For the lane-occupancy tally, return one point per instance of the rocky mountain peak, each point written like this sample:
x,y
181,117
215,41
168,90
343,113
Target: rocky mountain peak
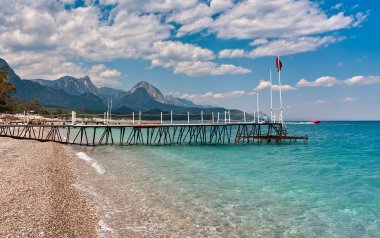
x,y
151,90
12,76
3,63
86,80
76,86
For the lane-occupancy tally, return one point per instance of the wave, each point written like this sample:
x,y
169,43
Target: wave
x,y
97,166
104,230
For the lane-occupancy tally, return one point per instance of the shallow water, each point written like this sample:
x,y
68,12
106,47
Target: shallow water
x,y
329,186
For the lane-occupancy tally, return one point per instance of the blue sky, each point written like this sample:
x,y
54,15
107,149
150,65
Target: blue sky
x,y
214,52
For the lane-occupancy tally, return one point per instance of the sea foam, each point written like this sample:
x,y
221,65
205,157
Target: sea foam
x,y
97,166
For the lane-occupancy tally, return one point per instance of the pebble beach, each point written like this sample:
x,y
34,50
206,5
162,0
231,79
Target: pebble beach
x,y
37,193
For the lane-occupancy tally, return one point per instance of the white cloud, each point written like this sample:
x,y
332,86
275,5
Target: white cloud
x,y
337,6
349,99
175,51
245,19
362,80
198,68
241,19
260,41
40,38
292,46
209,96
266,85
198,17
360,18
189,59
50,66
173,94
68,2
27,29
192,20
287,46
151,6
101,75
220,5
277,19
129,36
322,102
194,68
30,65
328,81
142,29
194,27
229,69
325,81
231,53
79,32
319,102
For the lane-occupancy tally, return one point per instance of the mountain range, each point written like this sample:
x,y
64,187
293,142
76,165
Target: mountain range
x,y
81,94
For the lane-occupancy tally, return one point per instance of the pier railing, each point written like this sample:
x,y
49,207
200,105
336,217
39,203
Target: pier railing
x,y
225,117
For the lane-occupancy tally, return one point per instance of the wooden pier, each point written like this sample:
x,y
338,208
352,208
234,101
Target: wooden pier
x,y
154,133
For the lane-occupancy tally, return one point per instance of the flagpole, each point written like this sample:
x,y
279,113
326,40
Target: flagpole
x,y
279,83
110,109
271,101
258,109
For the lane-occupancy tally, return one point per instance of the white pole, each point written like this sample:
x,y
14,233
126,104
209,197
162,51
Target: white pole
x,y
139,117
271,93
104,117
217,121
225,117
279,83
27,117
133,117
258,109
171,117
188,117
229,117
254,116
110,108
244,117
161,117
202,117
212,115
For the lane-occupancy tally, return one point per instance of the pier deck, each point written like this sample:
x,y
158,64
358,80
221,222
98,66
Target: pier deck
x,y
153,133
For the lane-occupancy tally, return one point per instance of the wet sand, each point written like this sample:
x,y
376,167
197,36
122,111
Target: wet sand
x,y
38,197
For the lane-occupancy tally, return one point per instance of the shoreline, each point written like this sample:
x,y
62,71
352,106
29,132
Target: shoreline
x,y
38,196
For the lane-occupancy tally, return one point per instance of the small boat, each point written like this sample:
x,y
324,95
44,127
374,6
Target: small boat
x,y
315,121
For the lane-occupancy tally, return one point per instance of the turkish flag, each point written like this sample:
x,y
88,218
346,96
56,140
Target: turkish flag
x,y
278,64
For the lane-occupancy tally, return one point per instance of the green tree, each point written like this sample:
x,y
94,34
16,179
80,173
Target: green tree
x,y
6,88
31,105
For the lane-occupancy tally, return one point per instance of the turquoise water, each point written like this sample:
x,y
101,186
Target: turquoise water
x,y
327,187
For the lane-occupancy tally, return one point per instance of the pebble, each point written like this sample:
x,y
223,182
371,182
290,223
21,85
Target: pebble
x,y
37,198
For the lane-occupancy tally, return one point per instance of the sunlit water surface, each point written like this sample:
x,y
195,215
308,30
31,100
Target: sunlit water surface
x,y
328,186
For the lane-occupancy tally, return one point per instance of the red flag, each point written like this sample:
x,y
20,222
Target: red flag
x,y
278,64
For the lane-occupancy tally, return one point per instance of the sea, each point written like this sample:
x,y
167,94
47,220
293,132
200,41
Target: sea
x,y
328,186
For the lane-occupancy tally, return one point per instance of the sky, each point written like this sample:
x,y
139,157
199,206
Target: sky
x,y
212,52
